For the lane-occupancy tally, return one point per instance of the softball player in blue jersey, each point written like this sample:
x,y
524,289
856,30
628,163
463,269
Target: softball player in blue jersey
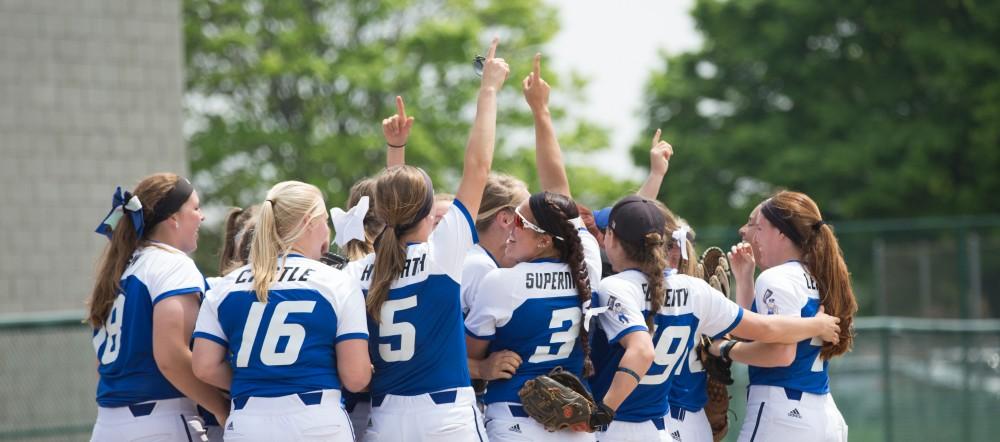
x,y
534,309
285,333
143,309
789,395
644,309
421,387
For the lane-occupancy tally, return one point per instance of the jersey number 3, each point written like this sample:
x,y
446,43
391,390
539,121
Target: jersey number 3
x,y
276,329
565,339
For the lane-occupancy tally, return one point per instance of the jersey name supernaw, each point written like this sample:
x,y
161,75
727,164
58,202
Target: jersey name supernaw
x,y
288,344
124,345
789,290
532,309
690,307
418,346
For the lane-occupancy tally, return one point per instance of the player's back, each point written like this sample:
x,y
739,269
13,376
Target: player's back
x,y
124,346
789,290
532,309
418,345
288,344
689,305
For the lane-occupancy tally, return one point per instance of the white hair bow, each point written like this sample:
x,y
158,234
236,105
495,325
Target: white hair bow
x,y
350,224
681,236
590,312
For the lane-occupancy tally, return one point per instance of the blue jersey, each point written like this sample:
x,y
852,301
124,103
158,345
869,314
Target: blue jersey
x,y
532,309
690,307
288,344
124,345
418,346
789,290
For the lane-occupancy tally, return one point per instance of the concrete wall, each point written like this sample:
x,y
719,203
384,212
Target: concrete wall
x,y
90,98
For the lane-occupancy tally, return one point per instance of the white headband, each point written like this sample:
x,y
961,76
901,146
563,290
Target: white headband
x,y
681,236
351,224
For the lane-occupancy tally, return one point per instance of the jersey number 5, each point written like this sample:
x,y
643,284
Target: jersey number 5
x,y
406,332
565,339
276,329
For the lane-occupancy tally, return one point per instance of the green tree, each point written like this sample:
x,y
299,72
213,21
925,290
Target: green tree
x,y
875,109
282,90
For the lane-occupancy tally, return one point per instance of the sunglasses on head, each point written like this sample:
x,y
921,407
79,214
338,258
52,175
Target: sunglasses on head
x,y
522,223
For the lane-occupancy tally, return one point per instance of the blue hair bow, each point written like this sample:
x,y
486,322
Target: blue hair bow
x,y
122,203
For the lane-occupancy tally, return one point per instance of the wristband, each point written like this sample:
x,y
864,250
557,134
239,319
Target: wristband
x,y
394,146
725,349
629,372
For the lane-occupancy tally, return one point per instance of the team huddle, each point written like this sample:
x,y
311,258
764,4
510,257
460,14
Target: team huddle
x,y
440,313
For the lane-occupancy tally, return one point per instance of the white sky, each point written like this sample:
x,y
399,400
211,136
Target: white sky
x,y
616,45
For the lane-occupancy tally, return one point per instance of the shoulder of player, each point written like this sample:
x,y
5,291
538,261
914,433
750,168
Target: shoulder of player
x,y
781,275
622,285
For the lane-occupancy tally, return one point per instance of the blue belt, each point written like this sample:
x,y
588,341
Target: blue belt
x,y
144,409
441,397
517,411
312,398
677,413
795,395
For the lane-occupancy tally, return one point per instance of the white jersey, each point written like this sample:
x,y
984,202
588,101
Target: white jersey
x,y
533,310
418,347
286,345
478,262
124,345
690,307
789,290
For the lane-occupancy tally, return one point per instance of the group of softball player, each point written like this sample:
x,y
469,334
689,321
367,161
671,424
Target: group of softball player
x,y
492,284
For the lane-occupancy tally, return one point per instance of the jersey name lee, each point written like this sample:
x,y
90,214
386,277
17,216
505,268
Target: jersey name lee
x,y
288,274
549,281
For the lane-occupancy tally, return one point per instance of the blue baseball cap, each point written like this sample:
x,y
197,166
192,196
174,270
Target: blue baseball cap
x,y
601,218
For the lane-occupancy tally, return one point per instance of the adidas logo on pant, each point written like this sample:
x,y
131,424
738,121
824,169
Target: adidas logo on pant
x,y
676,435
795,413
230,426
516,428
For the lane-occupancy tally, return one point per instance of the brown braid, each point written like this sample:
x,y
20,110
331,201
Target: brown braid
x,y
571,252
652,259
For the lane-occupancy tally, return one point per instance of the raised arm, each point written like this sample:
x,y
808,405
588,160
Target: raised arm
x,y
742,262
482,137
659,162
548,156
396,130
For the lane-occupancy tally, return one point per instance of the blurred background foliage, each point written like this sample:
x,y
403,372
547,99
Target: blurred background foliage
x,y
298,90
875,109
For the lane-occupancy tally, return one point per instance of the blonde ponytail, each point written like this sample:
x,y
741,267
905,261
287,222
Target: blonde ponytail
x,y
279,223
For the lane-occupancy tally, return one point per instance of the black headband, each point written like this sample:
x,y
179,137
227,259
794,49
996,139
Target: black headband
x,y
545,217
171,203
424,209
780,222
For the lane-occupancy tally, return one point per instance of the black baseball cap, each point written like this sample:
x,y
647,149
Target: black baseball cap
x,y
633,217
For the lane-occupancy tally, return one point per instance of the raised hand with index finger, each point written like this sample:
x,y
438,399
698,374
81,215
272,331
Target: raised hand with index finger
x,y
495,70
536,90
659,155
396,128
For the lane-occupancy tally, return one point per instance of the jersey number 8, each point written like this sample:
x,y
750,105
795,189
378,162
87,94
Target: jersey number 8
x,y
111,334
276,329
